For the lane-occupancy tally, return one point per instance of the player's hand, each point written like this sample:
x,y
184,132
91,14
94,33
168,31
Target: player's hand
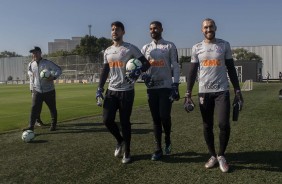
x,y
238,99
174,93
99,93
133,75
99,96
149,82
188,102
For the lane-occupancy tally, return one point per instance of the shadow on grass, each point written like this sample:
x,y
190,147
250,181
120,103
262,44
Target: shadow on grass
x,y
256,160
38,141
88,127
186,157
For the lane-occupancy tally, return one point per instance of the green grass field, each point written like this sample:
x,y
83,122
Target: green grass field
x,y
81,151
73,101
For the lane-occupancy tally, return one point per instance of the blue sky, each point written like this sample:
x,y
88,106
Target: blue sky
x,y
25,23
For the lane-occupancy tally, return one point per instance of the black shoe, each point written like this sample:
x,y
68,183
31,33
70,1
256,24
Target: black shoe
x,y
28,128
157,155
53,128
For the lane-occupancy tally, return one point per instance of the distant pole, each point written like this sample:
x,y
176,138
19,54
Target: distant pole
x,y
89,26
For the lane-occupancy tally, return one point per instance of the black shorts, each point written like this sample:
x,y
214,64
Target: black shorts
x,y
118,100
220,101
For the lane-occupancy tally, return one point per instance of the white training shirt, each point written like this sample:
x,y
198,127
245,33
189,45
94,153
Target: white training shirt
x,y
211,58
117,58
164,63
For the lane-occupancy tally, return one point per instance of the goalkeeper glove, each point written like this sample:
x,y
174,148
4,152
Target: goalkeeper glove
x,y
238,99
149,82
174,92
99,96
132,76
188,102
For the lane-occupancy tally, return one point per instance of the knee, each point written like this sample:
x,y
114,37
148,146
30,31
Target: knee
x,y
224,126
165,117
107,122
208,126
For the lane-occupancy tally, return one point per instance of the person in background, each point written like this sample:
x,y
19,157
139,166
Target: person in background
x,y
213,57
43,89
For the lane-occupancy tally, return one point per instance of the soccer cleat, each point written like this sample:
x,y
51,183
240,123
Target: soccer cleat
x,y
126,160
119,149
222,164
157,155
28,128
211,162
167,149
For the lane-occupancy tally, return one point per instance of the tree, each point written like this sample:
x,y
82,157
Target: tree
x,y
243,54
10,78
92,46
8,54
60,53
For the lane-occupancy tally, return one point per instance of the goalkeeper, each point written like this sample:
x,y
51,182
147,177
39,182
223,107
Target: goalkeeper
x,y
213,57
120,92
162,86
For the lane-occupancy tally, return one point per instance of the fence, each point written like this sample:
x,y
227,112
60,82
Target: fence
x,y
73,67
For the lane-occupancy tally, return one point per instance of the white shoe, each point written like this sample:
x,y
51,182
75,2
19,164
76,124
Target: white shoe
x,y
118,150
211,162
222,164
126,160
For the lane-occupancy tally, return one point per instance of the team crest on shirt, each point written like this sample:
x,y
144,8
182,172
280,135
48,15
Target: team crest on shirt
x,y
122,52
162,49
219,49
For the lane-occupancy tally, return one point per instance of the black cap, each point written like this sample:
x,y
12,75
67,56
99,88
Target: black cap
x,y
36,49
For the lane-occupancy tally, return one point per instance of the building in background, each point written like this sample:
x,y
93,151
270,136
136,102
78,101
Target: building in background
x,y
63,44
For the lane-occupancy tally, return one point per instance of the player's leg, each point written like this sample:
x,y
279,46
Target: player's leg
x,y
165,114
223,107
153,100
125,110
39,122
50,100
206,103
110,107
37,101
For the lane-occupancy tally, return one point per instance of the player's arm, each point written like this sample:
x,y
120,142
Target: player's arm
x,y
173,58
232,73
103,79
145,63
192,75
175,64
191,78
238,99
56,70
30,75
104,75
